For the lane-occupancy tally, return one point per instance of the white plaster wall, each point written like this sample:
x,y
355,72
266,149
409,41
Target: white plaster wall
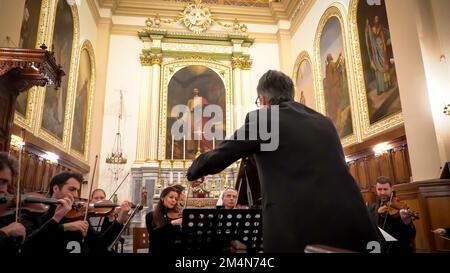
x,y
11,14
123,73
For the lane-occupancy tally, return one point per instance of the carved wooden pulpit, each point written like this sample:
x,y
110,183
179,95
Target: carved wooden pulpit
x,y
21,69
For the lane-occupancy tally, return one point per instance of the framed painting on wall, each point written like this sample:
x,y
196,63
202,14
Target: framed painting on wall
x,y
335,94
304,81
195,86
32,33
84,92
55,117
377,84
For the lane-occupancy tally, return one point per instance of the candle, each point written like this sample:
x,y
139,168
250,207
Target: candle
x,y
171,177
179,177
184,147
214,143
172,148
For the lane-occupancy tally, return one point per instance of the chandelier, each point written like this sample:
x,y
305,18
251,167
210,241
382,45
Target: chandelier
x,y
116,159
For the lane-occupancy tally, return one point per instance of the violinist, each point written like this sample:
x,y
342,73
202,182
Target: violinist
x,y
9,229
164,225
399,225
100,223
57,234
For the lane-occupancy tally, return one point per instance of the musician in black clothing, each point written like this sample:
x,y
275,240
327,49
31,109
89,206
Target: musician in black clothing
x,y
54,233
164,225
401,228
12,234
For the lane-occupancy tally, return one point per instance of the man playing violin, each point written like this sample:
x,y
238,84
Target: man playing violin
x,y
400,226
59,234
9,228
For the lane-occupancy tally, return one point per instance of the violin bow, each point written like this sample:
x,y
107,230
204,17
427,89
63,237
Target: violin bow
x,y
90,189
19,178
118,187
388,205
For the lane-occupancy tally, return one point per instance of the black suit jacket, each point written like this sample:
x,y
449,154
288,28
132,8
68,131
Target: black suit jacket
x,y
308,194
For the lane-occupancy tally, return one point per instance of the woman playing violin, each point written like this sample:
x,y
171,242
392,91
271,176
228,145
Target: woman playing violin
x,y
163,223
395,219
57,234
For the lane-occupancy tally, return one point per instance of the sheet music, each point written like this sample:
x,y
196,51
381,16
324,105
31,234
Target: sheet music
x,y
388,237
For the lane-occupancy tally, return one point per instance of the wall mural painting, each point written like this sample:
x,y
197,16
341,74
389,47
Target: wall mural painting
x,y
28,36
195,86
305,85
335,80
81,103
378,64
55,99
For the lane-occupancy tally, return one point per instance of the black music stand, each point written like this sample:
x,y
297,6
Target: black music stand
x,y
212,230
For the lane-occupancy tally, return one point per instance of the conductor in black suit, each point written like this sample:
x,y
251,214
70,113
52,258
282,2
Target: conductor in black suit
x,y
308,194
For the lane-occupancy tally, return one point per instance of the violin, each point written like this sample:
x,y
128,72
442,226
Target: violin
x,y
32,202
395,205
98,209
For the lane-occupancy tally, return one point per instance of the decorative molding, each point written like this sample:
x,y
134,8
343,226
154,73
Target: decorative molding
x,y
94,10
300,13
241,62
149,58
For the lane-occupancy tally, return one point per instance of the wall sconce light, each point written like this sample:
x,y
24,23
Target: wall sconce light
x,y
381,148
52,157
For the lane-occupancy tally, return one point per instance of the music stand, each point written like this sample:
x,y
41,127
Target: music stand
x,y
212,230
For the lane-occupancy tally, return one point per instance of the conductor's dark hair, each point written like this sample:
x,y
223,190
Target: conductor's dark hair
x,y
7,161
61,179
276,87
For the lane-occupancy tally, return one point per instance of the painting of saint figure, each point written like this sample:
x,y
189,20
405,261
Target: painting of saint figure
x,y
335,80
305,85
28,36
196,87
380,77
81,103
55,99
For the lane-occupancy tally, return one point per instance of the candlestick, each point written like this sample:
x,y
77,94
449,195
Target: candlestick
x,y
184,147
171,158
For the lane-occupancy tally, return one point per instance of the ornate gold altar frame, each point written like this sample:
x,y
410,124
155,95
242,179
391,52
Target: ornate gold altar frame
x,y
41,132
90,102
335,11
304,56
168,70
368,130
28,121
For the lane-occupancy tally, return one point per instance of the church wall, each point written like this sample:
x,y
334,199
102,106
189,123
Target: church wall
x,y
11,21
123,73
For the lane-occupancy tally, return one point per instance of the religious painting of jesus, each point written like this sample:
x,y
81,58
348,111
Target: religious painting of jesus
x,y
196,87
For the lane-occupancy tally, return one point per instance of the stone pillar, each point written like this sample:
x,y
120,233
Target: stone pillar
x,y
409,42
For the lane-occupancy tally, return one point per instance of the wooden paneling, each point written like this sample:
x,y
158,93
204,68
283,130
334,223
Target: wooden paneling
x,y
432,200
366,167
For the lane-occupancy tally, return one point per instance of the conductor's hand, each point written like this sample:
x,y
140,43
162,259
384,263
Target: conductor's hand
x,y
197,182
